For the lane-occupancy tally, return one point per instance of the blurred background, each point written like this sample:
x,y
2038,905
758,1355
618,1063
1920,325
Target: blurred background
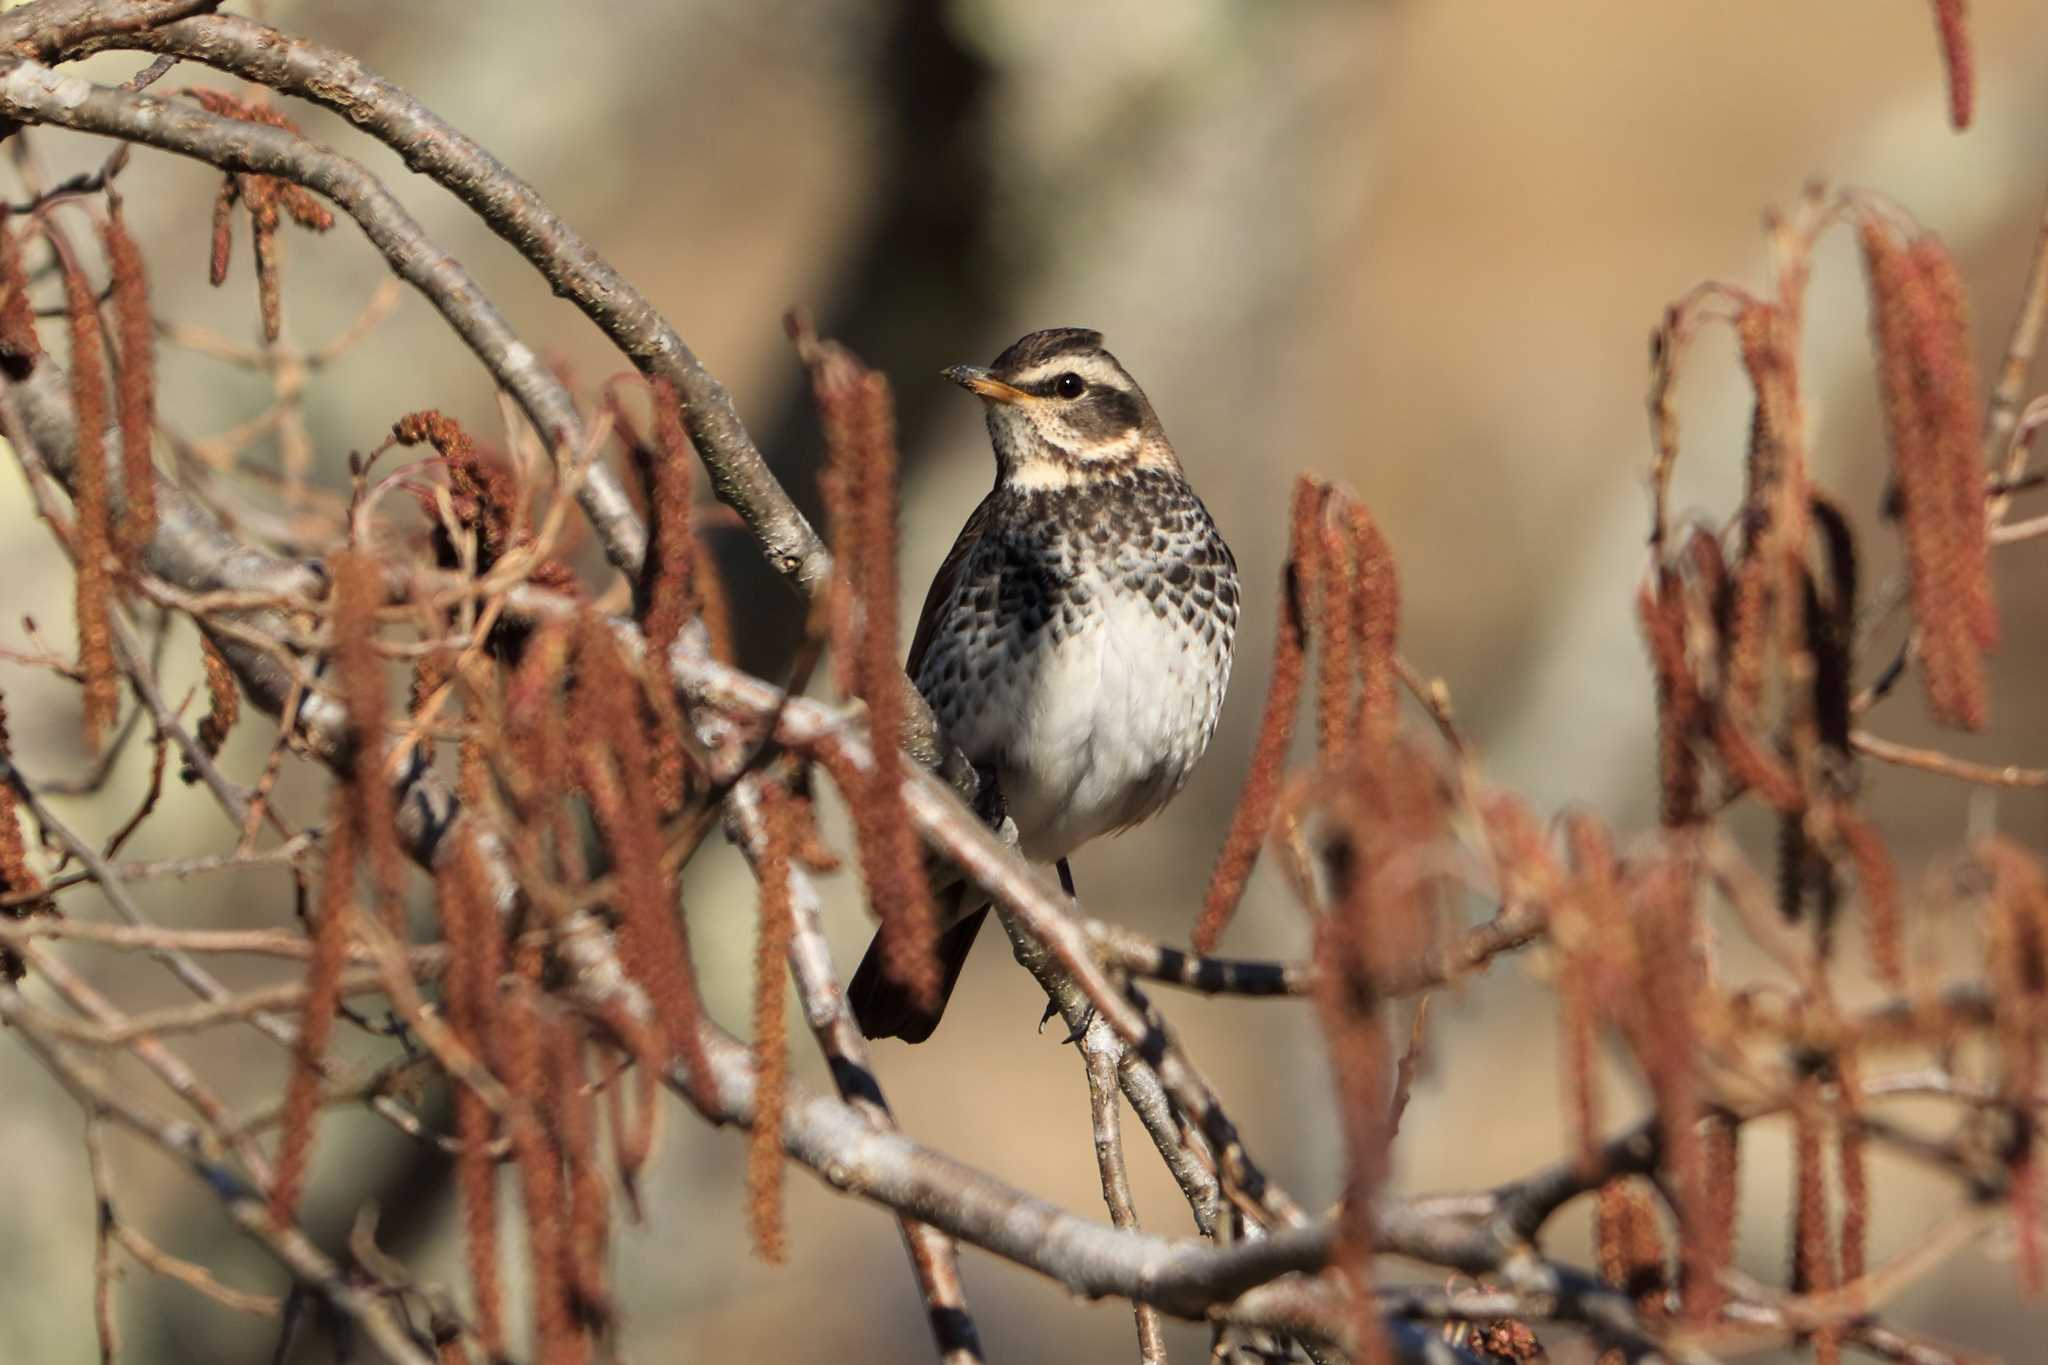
x,y
1417,246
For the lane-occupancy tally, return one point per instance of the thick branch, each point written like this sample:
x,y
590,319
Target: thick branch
x,y
50,27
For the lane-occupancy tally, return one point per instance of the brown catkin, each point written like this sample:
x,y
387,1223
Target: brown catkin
x,y
94,541
1360,1063
1710,577
20,348
1747,638
316,1019
1525,864
1629,1246
1906,326
259,194
1883,923
1849,1158
1764,334
860,487
1337,644
475,951
1813,1257
524,1062
1256,804
1951,25
267,199
2024,1176
666,595
1388,804
1377,610
1666,927
669,598
222,243
530,694
910,926
771,1027
1591,930
1750,764
358,592
482,492
1954,400
1721,1187
435,670
573,1114
1662,611
223,700
2018,940
612,761
2016,934
17,878
135,392
1578,1023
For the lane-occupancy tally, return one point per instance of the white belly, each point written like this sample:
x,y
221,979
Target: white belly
x,y
1100,730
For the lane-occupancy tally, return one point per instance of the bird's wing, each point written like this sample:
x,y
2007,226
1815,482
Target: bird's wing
x,y
949,573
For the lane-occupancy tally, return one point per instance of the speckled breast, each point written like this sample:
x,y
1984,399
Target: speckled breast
x,y
1085,650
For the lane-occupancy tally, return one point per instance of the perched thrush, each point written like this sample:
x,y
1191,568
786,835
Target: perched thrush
x,y
1077,639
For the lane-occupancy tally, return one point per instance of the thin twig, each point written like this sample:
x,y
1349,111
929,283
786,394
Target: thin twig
x,y
1102,1051
1932,761
248,1210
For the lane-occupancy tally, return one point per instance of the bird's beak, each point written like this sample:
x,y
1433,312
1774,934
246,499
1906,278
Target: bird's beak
x,y
987,385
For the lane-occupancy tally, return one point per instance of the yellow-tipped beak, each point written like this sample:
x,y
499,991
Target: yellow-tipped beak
x,y
987,385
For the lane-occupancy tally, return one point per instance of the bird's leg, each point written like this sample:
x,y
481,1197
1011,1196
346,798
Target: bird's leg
x,y
1074,898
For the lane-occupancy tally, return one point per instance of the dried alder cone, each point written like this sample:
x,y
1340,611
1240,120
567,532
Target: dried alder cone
x,y
557,987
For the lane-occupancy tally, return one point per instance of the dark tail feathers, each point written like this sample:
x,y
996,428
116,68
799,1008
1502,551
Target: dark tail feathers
x,y
886,1009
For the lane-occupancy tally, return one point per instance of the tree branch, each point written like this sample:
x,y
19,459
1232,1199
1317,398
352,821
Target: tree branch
x,y
511,208
33,93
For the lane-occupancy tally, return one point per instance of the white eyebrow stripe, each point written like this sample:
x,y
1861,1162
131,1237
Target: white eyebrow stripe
x,y
1095,368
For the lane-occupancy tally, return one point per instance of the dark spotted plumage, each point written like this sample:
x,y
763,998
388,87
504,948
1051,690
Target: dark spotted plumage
x,y
1126,576
1077,639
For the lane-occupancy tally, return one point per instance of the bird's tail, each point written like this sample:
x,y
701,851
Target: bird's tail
x,y
885,1008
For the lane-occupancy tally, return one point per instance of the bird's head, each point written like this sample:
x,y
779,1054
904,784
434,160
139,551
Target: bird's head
x,y
1062,411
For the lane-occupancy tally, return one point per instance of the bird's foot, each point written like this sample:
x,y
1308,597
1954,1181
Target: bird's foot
x,y
1080,1030
1075,1033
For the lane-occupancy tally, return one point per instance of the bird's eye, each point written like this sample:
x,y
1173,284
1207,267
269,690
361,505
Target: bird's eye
x,y
1069,385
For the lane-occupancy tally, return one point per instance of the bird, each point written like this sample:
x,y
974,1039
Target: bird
x,y
1076,640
